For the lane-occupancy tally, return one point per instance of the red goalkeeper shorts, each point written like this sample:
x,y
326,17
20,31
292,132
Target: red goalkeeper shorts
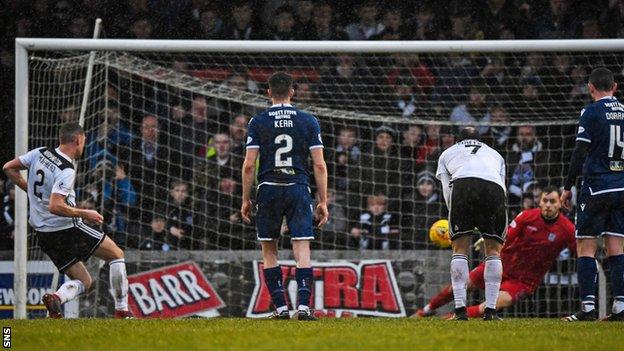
x,y
513,287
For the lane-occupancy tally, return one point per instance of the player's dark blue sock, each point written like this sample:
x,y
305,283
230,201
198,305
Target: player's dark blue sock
x,y
616,264
587,279
273,279
304,286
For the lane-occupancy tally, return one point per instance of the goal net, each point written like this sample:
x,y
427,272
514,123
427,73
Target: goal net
x,y
165,143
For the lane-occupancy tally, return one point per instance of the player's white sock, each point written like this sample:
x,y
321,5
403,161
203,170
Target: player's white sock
x,y
459,279
69,290
492,275
119,283
618,304
303,308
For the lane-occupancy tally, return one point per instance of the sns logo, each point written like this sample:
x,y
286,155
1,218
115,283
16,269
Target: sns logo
x,y
581,130
339,289
249,140
582,207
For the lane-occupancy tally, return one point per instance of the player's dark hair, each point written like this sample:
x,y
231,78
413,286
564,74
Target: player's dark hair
x,y
602,79
280,84
469,133
69,132
551,188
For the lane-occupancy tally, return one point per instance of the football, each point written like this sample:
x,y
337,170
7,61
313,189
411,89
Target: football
x,y
439,233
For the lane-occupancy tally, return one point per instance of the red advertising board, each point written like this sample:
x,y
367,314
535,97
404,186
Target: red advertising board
x,y
171,291
340,289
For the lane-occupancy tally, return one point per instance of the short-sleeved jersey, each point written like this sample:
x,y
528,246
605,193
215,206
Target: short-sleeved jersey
x,y
602,126
533,244
472,159
285,136
49,171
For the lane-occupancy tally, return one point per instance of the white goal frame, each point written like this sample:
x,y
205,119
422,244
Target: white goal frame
x,y
24,45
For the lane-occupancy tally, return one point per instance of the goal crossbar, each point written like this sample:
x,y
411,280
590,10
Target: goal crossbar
x,y
269,46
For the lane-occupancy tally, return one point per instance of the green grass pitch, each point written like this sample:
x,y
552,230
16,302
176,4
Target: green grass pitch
x,y
329,334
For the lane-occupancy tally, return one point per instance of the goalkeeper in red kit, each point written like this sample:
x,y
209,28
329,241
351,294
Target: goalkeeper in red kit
x,y
534,240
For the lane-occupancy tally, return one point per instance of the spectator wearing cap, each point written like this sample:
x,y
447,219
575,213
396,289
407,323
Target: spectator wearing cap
x,y
381,166
475,111
367,24
420,209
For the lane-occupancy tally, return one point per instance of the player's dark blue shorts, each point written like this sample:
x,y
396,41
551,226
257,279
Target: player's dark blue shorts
x,y
600,214
293,202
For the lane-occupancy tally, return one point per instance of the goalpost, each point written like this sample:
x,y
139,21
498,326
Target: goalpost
x,y
400,95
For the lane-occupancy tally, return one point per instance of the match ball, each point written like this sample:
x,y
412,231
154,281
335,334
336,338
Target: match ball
x,y
439,234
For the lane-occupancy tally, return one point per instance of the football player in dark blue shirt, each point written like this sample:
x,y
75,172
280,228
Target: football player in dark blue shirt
x,y
599,156
283,137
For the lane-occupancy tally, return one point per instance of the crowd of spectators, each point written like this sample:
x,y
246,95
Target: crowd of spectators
x,y
165,171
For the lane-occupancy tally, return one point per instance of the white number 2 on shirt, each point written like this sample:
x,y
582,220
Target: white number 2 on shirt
x,y
279,161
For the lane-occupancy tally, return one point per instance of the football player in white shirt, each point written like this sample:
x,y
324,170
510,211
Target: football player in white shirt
x,y
59,226
473,181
